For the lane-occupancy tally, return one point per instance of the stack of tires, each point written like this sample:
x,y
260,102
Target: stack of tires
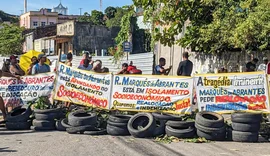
x,y
45,119
117,125
245,127
19,119
83,122
142,125
211,126
161,120
180,129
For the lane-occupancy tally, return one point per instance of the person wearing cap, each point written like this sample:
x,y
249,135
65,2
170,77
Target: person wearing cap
x,y
14,67
262,67
41,67
2,104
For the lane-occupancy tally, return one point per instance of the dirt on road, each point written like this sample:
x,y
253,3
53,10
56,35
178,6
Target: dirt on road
x,y
30,143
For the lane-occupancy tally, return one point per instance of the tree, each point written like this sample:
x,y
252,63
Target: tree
x,y
10,39
85,18
110,12
210,25
97,17
116,21
7,17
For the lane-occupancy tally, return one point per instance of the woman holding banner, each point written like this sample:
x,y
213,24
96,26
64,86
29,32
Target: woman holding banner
x,y
2,104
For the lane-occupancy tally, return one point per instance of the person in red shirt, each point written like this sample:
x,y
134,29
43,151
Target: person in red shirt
x,y
131,67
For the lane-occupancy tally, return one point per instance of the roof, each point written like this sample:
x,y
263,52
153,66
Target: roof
x,y
60,6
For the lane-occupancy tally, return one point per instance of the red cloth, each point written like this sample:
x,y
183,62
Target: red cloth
x,y
131,68
268,68
82,62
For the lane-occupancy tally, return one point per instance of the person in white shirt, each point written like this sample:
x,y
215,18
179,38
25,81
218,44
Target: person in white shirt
x,y
263,66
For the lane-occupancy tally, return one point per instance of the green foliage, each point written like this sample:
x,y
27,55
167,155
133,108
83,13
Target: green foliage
x,y
42,103
116,20
85,18
10,39
7,17
97,17
128,24
110,12
211,25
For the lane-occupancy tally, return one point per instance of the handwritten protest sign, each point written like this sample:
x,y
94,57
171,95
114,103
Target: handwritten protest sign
x,y
152,93
83,87
227,92
16,92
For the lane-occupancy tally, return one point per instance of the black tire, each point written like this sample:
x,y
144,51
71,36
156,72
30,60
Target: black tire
x,y
210,119
160,129
65,123
210,130
144,120
119,118
246,127
19,114
229,134
214,136
18,125
97,131
45,111
44,123
82,118
246,117
117,124
159,116
180,124
43,128
80,129
47,116
59,126
180,132
117,131
245,136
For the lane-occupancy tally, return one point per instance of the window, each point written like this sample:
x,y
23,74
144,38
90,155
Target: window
x,y
35,24
51,23
43,23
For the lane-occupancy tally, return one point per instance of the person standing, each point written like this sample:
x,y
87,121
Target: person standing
x,y
251,66
2,104
160,70
41,67
69,59
185,67
34,61
263,66
14,67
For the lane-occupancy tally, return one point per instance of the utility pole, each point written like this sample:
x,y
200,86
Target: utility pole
x,y
100,5
80,11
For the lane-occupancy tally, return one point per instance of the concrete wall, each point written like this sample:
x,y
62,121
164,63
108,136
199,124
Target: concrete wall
x,y
90,37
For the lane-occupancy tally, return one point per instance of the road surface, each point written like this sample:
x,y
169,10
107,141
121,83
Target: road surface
x,y
30,143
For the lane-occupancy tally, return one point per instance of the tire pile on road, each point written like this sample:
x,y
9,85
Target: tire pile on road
x,y
117,125
19,119
210,125
174,126
82,122
45,119
245,127
180,129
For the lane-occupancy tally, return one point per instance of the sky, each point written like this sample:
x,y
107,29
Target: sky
x,y
15,6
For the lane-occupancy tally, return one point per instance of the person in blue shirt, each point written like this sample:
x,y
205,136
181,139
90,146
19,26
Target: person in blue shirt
x,y
160,70
41,67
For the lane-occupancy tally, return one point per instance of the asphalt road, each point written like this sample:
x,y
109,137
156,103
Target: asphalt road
x,y
29,143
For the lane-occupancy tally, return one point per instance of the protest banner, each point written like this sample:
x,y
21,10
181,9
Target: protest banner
x,y
152,93
16,92
228,92
83,87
